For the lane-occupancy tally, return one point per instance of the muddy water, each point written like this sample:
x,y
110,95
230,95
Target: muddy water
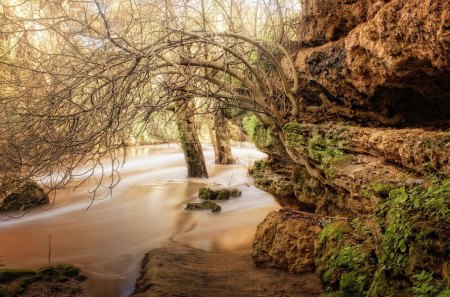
x,y
145,211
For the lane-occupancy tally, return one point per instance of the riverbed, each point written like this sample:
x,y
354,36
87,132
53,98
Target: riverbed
x,y
145,211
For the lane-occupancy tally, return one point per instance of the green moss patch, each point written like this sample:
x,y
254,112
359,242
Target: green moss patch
x,y
263,137
205,205
325,148
221,194
17,282
8,274
344,262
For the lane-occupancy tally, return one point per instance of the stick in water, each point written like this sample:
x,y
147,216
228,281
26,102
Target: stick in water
x,y
49,249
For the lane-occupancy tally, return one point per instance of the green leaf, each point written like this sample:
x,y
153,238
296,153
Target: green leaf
x,y
402,245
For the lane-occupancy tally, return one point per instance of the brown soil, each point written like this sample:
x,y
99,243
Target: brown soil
x,y
176,270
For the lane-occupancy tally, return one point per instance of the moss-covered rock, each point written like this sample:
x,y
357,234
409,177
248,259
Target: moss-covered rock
x,y
3,292
42,282
68,270
234,192
324,147
402,251
26,196
416,244
265,139
345,262
205,205
220,194
9,274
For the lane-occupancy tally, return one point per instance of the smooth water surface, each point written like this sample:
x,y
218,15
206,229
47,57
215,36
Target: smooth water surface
x,y
145,211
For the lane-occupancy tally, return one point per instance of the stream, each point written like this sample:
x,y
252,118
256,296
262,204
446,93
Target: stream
x,y
145,211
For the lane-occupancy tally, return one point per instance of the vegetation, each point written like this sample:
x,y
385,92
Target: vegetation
x,y
205,205
221,194
14,282
405,261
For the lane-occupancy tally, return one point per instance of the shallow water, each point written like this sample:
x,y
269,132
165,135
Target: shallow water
x,y
145,211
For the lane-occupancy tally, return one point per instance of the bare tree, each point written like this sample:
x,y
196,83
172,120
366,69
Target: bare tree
x,y
78,75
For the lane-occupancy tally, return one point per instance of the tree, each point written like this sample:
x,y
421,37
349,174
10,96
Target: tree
x,y
107,65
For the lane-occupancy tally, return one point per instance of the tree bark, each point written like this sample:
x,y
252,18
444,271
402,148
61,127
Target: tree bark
x,y
190,142
221,139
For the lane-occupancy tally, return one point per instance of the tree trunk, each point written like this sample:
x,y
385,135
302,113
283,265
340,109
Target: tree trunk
x,y
212,134
221,139
190,142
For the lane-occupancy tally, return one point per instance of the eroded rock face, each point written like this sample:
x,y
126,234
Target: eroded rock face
x,y
286,242
329,20
391,57
365,67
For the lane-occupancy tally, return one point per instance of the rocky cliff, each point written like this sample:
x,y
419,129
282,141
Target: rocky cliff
x,y
364,172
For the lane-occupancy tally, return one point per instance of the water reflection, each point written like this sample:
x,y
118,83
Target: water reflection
x,y
145,211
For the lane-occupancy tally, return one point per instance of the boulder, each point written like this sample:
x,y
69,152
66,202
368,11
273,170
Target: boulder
x,y
286,241
26,196
205,205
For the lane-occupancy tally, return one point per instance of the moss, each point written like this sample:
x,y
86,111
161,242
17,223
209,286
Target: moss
x,y
424,284
205,205
415,220
381,189
352,283
343,263
222,194
348,257
334,231
8,274
235,192
324,147
3,292
444,293
68,270
251,125
48,271
263,136
333,294
18,281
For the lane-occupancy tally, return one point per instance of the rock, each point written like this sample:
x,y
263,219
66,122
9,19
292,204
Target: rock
x,y
345,259
220,194
414,181
205,205
390,57
60,281
176,270
285,242
26,196
8,274
68,270
209,194
274,178
234,192
3,292
329,20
